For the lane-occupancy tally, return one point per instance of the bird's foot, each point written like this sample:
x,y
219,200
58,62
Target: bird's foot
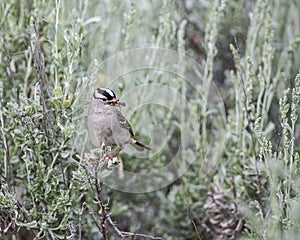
x,y
113,155
110,156
110,160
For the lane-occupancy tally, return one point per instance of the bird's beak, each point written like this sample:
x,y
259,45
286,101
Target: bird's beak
x,y
114,102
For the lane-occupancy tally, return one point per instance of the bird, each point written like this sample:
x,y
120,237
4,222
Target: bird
x,y
107,125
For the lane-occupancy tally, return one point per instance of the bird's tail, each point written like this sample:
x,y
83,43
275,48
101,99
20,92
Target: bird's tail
x,y
140,146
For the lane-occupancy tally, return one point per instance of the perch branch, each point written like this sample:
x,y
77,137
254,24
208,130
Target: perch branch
x,y
104,215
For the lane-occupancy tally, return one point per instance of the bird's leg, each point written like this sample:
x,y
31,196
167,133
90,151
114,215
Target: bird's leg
x,y
110,157
118,151
113,155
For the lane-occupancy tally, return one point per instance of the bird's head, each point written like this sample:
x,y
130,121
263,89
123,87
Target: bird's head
x,y
107,96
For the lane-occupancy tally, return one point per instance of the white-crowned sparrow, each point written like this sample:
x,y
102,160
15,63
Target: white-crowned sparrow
x,y
107,125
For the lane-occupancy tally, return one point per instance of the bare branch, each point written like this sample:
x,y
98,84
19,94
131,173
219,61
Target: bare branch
x,y
104,215
83,207
95,218
123,234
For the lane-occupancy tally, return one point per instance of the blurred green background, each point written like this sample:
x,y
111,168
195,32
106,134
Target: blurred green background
x,y
49,52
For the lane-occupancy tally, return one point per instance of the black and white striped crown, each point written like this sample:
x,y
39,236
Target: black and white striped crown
x,y
104,94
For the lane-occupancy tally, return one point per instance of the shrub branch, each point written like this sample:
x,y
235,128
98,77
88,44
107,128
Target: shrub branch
x,y
249,127
105,218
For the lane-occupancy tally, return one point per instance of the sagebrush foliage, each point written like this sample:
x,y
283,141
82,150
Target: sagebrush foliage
x,y
48,52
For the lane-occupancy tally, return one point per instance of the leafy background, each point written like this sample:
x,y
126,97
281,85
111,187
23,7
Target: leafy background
x,y
250,49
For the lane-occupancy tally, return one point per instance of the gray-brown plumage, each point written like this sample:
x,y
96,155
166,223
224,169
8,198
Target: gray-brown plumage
x,y
107,125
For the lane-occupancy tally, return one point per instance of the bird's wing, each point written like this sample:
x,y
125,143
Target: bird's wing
x,y
124,123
